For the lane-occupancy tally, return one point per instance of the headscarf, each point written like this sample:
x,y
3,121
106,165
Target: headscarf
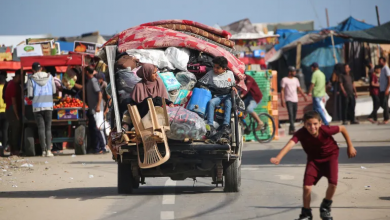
x,y
146,88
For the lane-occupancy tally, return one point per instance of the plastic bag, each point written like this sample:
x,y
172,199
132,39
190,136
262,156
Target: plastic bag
x,y
69,79
178,57
322,104
153,56
187,80
170,81
185,124
126,80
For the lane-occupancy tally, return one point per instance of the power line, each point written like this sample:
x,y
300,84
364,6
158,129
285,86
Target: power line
x,y
315,12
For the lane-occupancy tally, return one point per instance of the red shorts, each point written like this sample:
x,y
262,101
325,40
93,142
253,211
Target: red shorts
x,y
315,170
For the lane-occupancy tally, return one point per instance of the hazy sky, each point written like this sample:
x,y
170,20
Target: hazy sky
x,y
74,17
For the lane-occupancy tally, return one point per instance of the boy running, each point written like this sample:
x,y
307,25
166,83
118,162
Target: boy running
x,y
322,159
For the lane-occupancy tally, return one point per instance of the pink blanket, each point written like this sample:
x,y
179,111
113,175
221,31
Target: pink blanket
x,y
221,33
151,37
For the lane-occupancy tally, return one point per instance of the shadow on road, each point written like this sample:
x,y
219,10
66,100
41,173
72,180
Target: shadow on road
x,y
99,192
296,156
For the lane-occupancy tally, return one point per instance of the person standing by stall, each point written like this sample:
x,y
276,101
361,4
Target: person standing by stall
x,y
13,101
40,89
95,108
374,92
290,86
384,87
349,96
3,119
318,82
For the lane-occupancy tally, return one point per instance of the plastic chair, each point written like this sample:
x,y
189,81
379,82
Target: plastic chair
x,y
151,132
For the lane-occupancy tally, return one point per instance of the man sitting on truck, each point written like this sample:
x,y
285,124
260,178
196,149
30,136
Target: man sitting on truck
x,y
220,82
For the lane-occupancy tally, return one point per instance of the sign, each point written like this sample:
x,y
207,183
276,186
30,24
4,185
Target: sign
x,y
29,50
84,47
5,53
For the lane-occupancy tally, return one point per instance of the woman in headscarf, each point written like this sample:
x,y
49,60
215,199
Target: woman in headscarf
x,y
336,97
151,86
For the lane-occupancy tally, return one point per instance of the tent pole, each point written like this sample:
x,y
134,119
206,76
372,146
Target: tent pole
x,y
377,15
327,17
334,49
298,60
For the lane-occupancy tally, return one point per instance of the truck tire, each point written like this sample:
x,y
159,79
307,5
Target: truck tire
x,y
29,142
232,177
125,179
80,140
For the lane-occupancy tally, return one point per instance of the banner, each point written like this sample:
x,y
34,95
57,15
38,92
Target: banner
x,y
85,47
29,50
5,53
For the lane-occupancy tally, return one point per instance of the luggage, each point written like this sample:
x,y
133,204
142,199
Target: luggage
x,y
199,64
199,100
170,81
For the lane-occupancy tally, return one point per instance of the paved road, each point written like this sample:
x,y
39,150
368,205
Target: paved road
x,y
267,192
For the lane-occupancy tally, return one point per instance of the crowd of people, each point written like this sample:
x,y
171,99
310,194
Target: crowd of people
x,y
344,93
40,89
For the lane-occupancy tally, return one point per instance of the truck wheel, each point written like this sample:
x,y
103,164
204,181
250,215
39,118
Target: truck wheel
x,y
29,142
232,177
125,179
80,140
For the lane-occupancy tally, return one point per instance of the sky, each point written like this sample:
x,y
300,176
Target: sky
x,y
75,17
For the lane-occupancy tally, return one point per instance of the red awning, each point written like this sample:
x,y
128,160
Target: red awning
x,y
72,59
9,65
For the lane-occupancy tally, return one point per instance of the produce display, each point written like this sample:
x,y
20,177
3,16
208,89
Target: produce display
x,y
69,102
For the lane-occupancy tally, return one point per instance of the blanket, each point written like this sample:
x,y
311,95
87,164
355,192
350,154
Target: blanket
x,y
218,32
198,31
151,37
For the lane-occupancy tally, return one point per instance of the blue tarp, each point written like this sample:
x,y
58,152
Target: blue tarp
x,y
321,51
66,46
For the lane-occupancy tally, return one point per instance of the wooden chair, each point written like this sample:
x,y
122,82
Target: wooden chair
x,y
151,130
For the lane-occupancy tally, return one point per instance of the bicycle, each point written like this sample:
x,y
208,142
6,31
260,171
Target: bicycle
x,y
267,133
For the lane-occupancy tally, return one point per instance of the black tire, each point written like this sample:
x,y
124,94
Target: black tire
x,y
232,177
125,179
29,142
80,140
269,122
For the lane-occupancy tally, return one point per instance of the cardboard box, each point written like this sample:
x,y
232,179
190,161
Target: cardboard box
x,y
67,114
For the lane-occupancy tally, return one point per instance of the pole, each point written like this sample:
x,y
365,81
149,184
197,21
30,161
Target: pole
x,y
377,15
298,60
327,16
334,49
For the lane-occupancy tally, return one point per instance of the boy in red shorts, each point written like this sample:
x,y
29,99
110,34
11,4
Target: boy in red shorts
x,y
322,159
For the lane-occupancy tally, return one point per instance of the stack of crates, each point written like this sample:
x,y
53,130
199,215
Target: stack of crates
x,y
264,81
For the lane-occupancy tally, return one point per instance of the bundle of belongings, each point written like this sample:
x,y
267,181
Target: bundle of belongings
x,y
197,67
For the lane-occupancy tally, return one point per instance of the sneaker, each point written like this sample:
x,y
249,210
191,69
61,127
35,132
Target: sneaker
x,y
325,210
305,215
354,123
44,154
49,154
210,131
225,129
345,123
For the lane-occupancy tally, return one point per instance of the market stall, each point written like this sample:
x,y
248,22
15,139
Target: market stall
x,y
69,114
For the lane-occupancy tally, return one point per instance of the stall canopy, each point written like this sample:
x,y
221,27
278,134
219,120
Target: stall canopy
x,y
72,59
379,34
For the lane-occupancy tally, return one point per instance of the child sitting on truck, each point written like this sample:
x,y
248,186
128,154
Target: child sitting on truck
x,y
322,159
220,82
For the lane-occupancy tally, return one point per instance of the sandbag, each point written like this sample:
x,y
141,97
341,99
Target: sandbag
x,y
178,57
170,81
185,124
152,56
187,80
